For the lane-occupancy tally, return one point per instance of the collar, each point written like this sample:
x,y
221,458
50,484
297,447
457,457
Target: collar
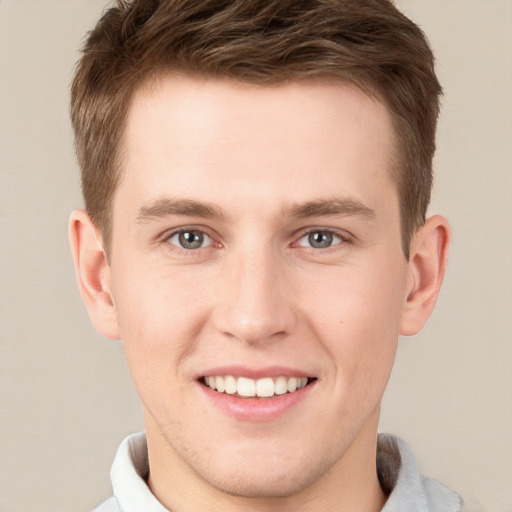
x,y
408,490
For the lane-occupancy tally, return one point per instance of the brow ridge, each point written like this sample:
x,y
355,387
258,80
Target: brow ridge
x,y
336,207
163,207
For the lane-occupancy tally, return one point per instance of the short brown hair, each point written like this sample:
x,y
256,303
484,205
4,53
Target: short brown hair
x,y
369,43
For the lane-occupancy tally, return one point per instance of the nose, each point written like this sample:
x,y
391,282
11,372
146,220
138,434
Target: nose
x,y
256,302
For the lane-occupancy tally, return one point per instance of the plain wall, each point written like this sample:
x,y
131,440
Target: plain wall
x,y
66,397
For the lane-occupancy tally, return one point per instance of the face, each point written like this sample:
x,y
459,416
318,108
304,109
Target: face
x,y
258,278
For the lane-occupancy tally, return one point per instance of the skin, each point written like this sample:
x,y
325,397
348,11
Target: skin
x,y
254,171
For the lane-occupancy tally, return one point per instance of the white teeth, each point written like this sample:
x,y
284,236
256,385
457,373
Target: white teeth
x,y
246,387
220,384
230,385
292,385
280,387
263,388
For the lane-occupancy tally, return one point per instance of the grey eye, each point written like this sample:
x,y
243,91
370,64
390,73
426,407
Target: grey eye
x,y
319,239
190,239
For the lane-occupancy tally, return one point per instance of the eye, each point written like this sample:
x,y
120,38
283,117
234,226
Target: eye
x,y
190,239
319,239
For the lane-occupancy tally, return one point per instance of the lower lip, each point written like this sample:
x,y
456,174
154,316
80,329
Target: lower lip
x,y
257,409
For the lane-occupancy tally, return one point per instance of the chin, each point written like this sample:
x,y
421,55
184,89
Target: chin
x,y
279,477
265,484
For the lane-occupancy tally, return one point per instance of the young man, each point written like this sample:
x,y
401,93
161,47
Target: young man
x,y
256,176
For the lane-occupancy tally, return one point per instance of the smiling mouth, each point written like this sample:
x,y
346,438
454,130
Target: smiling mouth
x,y
244,387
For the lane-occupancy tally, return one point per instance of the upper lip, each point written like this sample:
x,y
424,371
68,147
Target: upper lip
x,y
254,373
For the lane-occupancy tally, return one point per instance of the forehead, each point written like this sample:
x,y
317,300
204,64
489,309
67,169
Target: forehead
x,y
282,142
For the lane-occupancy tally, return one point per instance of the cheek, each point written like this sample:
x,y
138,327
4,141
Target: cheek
x,y
356,315
159,322
157,305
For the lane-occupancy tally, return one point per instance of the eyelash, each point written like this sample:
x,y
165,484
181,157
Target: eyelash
x,y
343,237
177,249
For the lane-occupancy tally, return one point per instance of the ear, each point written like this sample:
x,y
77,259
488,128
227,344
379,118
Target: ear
x,y
93,273
427,264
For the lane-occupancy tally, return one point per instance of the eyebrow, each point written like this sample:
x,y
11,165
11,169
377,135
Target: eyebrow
x,y
336,207
187,207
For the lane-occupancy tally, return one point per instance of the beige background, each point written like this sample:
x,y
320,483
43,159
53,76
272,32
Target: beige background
x,y
66,398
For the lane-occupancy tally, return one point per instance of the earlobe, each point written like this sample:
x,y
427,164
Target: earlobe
x,y
427,264
93,273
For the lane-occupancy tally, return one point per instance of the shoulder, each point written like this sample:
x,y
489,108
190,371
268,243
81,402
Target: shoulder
x,y
408,490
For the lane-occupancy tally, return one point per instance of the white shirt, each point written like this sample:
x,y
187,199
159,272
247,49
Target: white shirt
x,y
396,466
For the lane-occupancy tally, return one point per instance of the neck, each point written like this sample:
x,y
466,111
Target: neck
x,y
350,485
